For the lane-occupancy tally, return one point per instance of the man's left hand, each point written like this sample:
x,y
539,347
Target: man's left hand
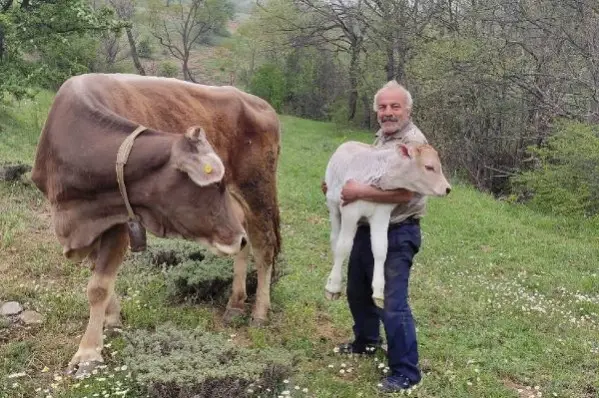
x,y
352,191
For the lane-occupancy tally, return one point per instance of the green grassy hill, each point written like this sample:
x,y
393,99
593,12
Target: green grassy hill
x,y
506,300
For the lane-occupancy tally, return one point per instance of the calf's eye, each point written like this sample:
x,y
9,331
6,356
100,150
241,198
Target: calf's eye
x,y
429,168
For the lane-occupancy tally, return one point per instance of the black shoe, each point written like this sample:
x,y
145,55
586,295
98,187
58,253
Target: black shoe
x,y
352,348
396,383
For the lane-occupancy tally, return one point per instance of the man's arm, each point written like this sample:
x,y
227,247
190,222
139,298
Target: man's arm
x,y
353,191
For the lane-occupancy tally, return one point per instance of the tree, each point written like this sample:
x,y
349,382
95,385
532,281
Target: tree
x,y
48,45
125,9
183,25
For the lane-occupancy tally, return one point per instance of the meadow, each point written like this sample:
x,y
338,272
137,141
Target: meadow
x,y
506,300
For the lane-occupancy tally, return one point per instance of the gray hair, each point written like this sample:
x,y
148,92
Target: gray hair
x,y
393,84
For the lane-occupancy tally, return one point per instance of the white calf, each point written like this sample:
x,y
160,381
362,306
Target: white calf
x,y
415,167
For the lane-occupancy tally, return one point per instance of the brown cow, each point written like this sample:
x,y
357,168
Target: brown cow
x,y
197,185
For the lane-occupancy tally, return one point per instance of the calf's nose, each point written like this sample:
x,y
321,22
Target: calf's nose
x,y
447,191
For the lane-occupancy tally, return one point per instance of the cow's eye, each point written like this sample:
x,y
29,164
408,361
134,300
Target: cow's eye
x,y
429,168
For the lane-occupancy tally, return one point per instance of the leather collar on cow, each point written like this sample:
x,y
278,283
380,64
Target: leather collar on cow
x,y
121,160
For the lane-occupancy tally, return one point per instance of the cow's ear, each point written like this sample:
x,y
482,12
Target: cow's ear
x,y
404,150
199,161
203,170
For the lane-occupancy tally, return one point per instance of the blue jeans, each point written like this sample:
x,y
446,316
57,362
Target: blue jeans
x,y
404,242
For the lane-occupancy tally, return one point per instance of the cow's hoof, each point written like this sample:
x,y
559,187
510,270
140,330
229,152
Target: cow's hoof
x,y
113,330
232,313
84,362
258,322
331,295
379,302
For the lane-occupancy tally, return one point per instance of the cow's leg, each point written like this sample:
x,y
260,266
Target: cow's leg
x,y
379,224
112,319
111,250
349,224
264,260
236,304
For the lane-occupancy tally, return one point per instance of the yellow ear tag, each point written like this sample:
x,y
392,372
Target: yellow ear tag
x,y
207,169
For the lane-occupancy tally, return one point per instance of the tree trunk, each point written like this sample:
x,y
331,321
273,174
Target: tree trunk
x,y
1,42
134,55
390,68
353,83
186,72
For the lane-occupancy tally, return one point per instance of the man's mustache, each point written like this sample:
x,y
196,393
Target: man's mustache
x,y
389,119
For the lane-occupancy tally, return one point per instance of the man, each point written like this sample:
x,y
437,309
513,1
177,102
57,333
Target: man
x,y
393,105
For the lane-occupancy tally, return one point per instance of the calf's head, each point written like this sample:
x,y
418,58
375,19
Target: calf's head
x,y
196,201
418,168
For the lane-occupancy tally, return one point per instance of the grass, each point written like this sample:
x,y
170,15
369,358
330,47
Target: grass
x,y
506,300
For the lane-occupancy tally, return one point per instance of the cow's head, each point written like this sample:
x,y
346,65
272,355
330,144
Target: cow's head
x,y
197,203
419,169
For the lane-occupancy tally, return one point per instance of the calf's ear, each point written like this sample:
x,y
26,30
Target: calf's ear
x,y
405,150
194,155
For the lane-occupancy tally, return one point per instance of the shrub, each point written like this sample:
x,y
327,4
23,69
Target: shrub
x,y
207,281
144,48
194,275
194,363
565,180
268,83
168,69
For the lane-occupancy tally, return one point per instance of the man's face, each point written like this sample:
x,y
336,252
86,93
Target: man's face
x,y
392,111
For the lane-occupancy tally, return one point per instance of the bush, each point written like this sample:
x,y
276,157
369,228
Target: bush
x,y
144,48
178,363
268,83
194,275
168,69
565,180
207,281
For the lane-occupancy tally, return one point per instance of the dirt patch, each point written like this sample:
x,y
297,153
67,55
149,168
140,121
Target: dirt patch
x,y
522,390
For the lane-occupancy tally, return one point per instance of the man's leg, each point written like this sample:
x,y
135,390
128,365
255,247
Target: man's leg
x,y
359,293
404,243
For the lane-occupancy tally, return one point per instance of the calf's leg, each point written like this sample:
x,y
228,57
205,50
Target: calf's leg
x,y
100,292
379,224
349,224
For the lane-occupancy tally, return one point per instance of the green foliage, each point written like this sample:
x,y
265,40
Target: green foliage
x,y
566,180
176,363
49,41
144,48
168,69
208,280
268,83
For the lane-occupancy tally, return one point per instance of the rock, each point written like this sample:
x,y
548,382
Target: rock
x,y
11,308
31,317
13,172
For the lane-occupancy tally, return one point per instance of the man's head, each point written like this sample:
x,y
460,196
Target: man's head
x,y
393,107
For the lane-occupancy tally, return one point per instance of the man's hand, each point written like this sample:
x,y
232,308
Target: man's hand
x,y
352,191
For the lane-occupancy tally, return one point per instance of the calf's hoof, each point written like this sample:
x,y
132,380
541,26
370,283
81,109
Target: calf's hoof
x,y
379,302
232,313
331,295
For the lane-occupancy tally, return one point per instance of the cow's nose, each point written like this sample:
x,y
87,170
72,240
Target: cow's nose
x,y
447,191
244,242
